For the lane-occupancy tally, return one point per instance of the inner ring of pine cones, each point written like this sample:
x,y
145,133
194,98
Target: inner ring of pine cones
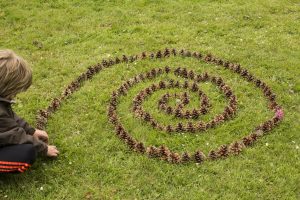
x,y
191,83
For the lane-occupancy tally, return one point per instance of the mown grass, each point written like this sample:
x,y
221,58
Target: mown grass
x,y
60,39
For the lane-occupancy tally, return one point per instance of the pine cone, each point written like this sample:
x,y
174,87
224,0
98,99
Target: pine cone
x,y
272,97
223,151
188,54
111,62
124,59
152,151
244,73
174,158
148,91
186,84
185,100
212,124
119,129
190,127
153,123
195,114
184,73
152,55
149,75
44,113
144,55
162,84
131,142
219,81
237,68
195,87
257,83
219,119
55,104
131,59
236,148
174,52
220,62
171,83
199,156
177,71
153,73
208,58
203,111
167,69
187,114
201,126
179,127
212,155
247,141
154,87
160,71
254,137
147,117
113,119
191,74
159,54
140,147
228,93
226,64
205,76
41,122
90,73
167,52
169,110
178,113
164,152
185,157
214,79
181,52
141,77
267,126
177,84
123,135
195,55
104,63
169,129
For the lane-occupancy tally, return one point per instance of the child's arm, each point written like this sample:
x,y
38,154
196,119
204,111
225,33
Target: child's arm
x,y
22,123
12,133
42,135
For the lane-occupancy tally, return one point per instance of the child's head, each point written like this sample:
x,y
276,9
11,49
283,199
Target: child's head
x,y
15,74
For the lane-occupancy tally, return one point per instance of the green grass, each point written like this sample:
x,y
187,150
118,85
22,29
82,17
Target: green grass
x,y
60,39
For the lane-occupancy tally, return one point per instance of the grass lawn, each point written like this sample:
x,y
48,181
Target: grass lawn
x,y
61,38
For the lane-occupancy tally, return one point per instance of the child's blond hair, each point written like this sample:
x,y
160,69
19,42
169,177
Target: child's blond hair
x,y
15,74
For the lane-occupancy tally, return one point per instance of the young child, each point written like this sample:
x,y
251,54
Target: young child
x,y
19,142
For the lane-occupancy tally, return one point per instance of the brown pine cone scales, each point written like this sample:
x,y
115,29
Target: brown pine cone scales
x,y
223,151
174,158
236,148
213,155
164,152
152,151
199,156
185,157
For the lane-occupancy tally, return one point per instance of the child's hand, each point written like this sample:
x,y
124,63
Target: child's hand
x,y
52,151
42,135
